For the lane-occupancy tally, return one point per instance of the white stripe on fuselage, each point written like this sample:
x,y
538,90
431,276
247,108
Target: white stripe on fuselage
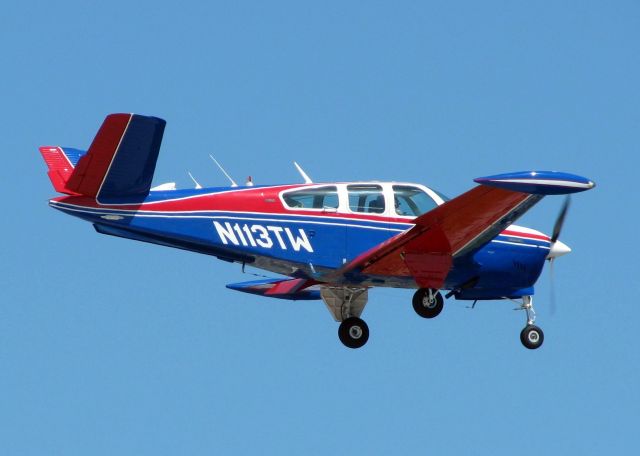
x,y
518,231
522,244
94,211
134,213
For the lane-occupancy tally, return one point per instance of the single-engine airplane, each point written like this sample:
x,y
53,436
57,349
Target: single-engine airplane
x,y
331,241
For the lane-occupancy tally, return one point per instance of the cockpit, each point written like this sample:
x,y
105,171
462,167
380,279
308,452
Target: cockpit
x,y
388,199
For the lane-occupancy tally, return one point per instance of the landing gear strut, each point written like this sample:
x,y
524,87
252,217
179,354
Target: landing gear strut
x,y
427,302
531,336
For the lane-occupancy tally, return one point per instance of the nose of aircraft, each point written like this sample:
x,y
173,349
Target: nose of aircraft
x,y
558,248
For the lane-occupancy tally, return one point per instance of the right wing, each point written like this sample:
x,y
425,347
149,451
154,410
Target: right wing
x,y
457,227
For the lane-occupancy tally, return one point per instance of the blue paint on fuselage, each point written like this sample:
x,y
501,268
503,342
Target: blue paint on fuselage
x,y
498,266
303,245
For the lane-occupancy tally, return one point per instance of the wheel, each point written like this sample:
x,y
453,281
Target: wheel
x,y
353,332
427,307
532,337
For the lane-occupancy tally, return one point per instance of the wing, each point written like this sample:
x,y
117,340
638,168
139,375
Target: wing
x,y
292,289
456,228
461,226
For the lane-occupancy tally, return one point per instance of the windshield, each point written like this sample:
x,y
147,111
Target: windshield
x,y
411,201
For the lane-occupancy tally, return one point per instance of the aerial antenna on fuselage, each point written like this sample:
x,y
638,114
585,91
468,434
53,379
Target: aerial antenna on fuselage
x,y
307,179
198,186
233,183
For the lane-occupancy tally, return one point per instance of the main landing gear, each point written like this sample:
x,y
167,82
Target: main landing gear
x,y
346,305
531,336
353,332
427,302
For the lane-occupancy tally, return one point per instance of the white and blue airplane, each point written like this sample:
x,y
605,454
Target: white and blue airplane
x,y
329,241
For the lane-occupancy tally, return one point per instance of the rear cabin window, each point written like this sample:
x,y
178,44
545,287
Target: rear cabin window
x,y
312,198
411,201
366,198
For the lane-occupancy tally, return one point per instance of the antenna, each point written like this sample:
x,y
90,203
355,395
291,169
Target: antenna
x,y
233,183
307,179
198,186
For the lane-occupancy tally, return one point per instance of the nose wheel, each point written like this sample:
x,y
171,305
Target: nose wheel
x,y
353,332
531,336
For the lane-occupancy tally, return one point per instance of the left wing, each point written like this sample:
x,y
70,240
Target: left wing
x,y
292,289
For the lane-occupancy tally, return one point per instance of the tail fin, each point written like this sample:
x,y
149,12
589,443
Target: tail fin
x,y
61,162
119,165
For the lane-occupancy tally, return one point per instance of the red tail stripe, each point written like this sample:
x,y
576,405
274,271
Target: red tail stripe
x,y
93,166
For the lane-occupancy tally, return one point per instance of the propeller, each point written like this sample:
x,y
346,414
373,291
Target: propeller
x,y
558,248
557,228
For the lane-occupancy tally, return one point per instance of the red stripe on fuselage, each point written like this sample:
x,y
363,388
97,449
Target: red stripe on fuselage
x,y
264,200
540,237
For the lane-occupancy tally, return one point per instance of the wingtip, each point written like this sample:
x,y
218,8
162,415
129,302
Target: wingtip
x,y
539,182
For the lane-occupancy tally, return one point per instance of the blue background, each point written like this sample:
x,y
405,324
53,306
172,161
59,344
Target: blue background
x,y
109,346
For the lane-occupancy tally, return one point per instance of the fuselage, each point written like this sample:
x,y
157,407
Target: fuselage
x,y
306,230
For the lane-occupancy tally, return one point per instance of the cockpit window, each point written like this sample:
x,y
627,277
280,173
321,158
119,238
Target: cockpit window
x,y
444,197
312,198
411,201
366,198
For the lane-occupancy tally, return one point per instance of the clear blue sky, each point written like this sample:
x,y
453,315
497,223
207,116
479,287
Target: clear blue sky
x,y
109,346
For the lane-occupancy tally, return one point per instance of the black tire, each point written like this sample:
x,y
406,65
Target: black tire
x,y
423,307
531,337
353,332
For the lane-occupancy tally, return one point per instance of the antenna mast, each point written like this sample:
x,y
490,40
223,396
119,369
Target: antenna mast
x,y
198,186
233,183
307,179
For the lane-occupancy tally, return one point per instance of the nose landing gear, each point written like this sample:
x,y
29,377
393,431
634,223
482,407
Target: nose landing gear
x,y
531,336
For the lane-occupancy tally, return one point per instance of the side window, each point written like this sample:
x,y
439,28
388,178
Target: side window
x,y
411,201
366,198
312,198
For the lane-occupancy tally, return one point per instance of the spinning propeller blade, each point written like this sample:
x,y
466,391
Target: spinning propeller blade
x,y
552,288
560,220
557,249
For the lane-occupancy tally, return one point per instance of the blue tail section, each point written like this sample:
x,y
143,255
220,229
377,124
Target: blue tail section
x,y
131,172
119,165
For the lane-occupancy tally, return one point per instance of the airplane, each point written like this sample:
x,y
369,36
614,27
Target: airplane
x,y
330,241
